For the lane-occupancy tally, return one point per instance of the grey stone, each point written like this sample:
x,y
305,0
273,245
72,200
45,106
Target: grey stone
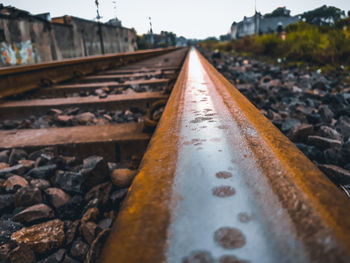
x,y
6,203
79,250
70,182
72,209
7,228
43,172
95,171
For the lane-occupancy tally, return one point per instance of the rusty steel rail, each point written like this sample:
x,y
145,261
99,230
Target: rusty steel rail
x,y
19,79
220,183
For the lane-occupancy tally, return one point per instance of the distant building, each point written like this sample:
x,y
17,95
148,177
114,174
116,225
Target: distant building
x,y
262,24
181,42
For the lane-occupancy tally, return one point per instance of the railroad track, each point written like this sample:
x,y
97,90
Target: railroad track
x,y
217,183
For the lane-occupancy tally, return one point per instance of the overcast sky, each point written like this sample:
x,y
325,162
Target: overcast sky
x,y
189,18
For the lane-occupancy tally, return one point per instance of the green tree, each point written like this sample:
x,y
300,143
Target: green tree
x,y
323,16
280,11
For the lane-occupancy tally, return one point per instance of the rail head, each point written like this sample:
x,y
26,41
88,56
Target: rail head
x,y
18,79
220,181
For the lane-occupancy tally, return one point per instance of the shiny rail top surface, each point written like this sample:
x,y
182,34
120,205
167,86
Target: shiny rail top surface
x,y
220,183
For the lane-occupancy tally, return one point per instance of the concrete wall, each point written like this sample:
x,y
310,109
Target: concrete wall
x,y
30,40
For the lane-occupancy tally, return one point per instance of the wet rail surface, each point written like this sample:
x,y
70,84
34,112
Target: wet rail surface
x,y
220,183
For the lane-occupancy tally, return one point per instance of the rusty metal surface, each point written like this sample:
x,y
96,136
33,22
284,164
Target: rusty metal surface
x,y
139,70
125,76
24,108
72,135
117,142
220,182
71,88
16,80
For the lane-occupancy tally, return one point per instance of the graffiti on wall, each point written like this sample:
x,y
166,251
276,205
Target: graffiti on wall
x,y
16,54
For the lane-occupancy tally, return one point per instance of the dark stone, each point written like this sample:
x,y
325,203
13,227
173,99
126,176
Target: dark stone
x,y
314,118
95,171
6,203
7,228
55,257
326,114
97,246
17,169
89,230
311,152
319,85
16,155
71,230
333,156
70,182
68,259
301,132
5,252
290,124
72,209
43,172
336,173
324,143
343,126
28,196
330,133
118,196
101,192
79,250
4,156
91,215
22,254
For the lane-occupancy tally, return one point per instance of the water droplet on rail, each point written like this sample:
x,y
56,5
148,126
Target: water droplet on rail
x,y
229,238
231,259
223,191
244,217
200,256
223,175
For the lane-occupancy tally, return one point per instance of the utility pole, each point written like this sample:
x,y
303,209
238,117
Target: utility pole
x,y
151,30
256,20
98,17
115,8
